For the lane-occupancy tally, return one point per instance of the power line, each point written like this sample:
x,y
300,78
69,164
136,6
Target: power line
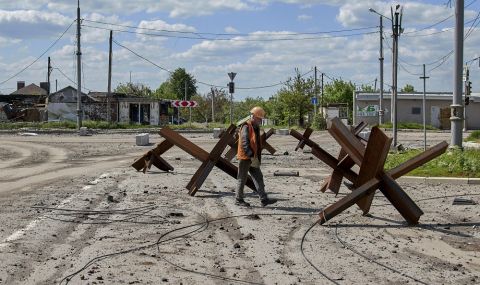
x,y
437,23
33,62
231,39
68,78
229,34
201,82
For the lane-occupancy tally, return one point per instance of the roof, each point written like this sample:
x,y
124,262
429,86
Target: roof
x,y
447,96
31,89
65,89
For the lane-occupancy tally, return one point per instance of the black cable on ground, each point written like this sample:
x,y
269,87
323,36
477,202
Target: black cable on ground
x,y
199,227
308,260
373,260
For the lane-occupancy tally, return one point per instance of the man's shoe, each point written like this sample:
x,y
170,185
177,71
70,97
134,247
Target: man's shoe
x,y
242,203
268,202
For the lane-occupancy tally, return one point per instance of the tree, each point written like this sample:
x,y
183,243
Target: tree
x,y
177,82
292,102
367,88
134,89
164,91
339,91
242,109
407,89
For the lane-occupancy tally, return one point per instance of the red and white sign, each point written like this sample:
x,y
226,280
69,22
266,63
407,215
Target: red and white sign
x,y
183,103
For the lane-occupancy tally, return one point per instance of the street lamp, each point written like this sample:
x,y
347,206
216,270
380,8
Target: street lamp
x,y
396,21
381,110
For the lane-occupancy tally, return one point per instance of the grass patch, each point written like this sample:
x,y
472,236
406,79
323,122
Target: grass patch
x,y
453,163
408,125
474,137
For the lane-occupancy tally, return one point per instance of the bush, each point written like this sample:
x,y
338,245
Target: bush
x,y
453,163
408,125
474,136
319,122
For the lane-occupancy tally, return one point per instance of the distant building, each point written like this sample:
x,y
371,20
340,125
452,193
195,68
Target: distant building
x,y
409,109
62,105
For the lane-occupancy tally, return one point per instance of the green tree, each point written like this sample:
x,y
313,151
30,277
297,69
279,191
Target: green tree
x,y
367,88
407,89
177,82
292,102
134,89
339,91
164,91
242,109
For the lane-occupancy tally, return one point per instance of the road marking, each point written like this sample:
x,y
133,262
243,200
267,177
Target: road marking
x,y
20,233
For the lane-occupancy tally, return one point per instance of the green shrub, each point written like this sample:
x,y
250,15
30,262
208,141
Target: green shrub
x,y
474,136
407,125
453,163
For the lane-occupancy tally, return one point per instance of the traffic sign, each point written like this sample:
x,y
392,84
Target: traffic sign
x,y
232,75
314,101
184,104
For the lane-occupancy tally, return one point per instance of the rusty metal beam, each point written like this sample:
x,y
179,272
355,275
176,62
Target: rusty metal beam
x,y
324,156
161,148
302,138
202,155
352,146
207,166
418,160
372,164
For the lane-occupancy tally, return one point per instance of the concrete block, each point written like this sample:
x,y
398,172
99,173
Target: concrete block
x,y
475,181
83,131
447,180
283,132
142,139
364,134
217,132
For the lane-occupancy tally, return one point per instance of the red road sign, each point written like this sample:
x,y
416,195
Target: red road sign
x,y
183,103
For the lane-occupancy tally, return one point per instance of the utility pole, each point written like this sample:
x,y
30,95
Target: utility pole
x,y
189,108
397,29
213,102
381,111
375,85
79,72
457,105
321,103
468,90
316,96
424,108
49,70
109,94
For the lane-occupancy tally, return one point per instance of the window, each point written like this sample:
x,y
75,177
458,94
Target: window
x,y
416,110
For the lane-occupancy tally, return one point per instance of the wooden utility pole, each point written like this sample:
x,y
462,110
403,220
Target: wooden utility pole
x,y
79,72
109,94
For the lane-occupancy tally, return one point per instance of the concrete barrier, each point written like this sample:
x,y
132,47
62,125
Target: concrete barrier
x,y
283,132
83,131
142,139
217,132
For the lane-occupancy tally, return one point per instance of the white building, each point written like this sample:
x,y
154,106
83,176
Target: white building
x,y
409,109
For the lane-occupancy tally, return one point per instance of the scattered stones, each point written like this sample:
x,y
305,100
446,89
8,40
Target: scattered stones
x,y
236,245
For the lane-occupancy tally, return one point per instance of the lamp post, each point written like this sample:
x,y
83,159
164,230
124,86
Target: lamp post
x,y
380,111
396,21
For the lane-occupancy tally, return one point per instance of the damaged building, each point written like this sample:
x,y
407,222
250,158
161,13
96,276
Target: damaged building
x,y
98,106
27,103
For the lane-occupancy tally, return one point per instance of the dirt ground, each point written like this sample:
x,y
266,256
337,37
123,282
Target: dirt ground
x,y
74,211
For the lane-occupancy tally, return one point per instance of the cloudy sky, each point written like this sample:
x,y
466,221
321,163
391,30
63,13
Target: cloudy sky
x,y
263,41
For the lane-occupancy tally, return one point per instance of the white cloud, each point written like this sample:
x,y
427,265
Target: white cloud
x,y
28,24
231,30
304,17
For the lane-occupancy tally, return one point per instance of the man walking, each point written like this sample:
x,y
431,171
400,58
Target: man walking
x,y
249,158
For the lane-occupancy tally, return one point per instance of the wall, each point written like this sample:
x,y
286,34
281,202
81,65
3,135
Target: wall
x,y
439,107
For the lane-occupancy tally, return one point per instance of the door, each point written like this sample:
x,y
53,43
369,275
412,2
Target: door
x,y
435,116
